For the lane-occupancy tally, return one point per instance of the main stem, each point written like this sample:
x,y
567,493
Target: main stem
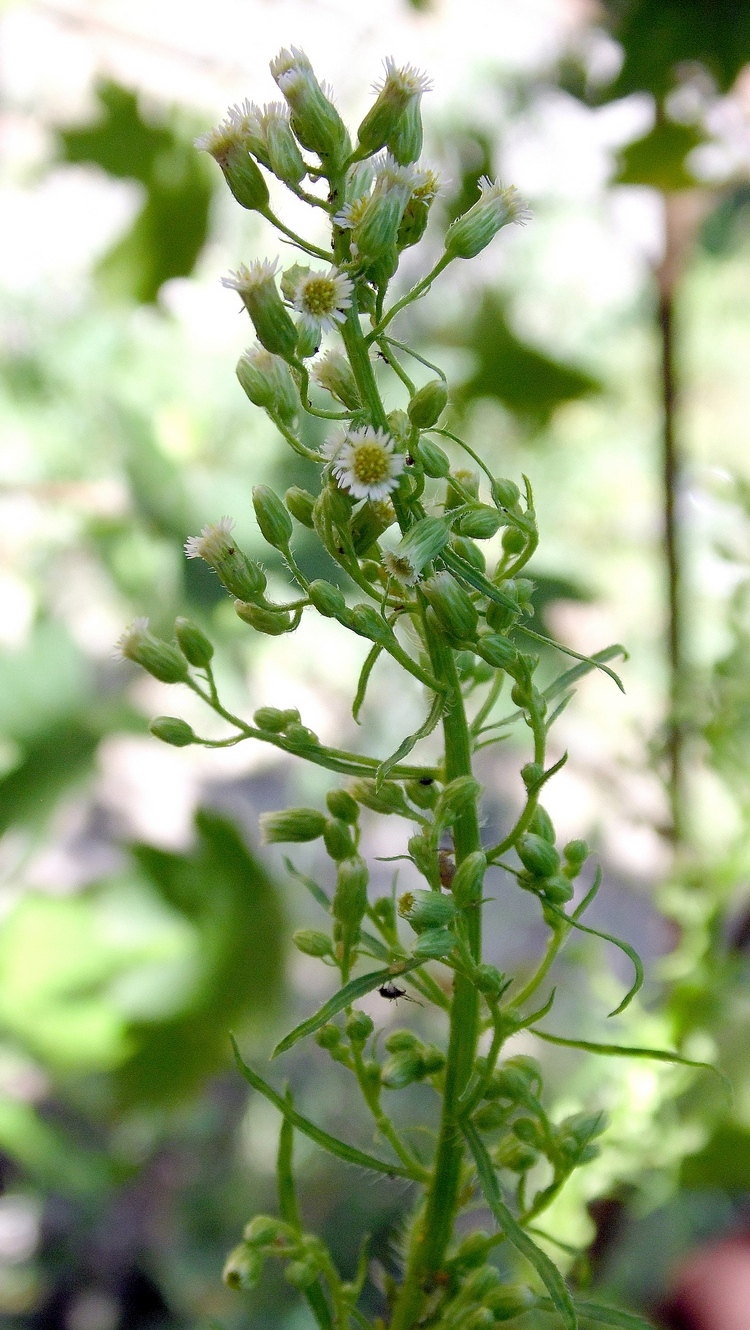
x,y
434,1225
671,476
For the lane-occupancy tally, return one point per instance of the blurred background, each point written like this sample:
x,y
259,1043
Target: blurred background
x,y
603,351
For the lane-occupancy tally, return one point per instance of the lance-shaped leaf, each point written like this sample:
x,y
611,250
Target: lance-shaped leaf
x,y
545,1268
601,1315
348,1153
411,740
629,951
627,1051
356,988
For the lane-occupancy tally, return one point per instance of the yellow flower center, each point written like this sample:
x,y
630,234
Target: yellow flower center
x,y
370,463
319,296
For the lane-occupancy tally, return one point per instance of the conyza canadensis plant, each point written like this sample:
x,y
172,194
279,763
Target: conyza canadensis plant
x,y
406,531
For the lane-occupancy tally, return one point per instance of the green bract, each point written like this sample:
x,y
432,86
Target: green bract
x,y
391,516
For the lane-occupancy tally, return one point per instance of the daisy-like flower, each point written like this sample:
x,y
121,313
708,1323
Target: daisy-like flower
x,y
400,568
214,542
241,128
257,287
351,214
246,280
496,207
365,462
128,643
322,298
406,80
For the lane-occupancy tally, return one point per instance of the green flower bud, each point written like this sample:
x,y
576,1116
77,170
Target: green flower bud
x,y
471,233
558,889
425,857
271,718
514,1155
273,519
302,1273
435,463
489,980
376,229
291,824
367,622
160,659
434,1059
402,1069
584,1127
327,599
424,792
505,493
359,1027
264,1231
576,852
230,144
405,142
256,286
350,898
400,89
532,775
243,1268
328,1036
311,942
509,1301
537,855
528,1131
172,730
338,840
241,576
300,504
435,944
266,380
271,622
421,544
453,606
428,404
285,157
341,805
468,878
469,482
426,909
399,1041
490,1117
193,643
308,339
373,518
371,1070
479,523
470,552
513,540
333,372
389,798
472,1250
245,180
315,120
496,650
455,798
541,824
384,911
300,735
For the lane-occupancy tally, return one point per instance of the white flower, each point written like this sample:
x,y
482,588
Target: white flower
x,y
351,213
241,128
407,80
213,543
128,642
364,462
287,61
321,298
250,279
400,567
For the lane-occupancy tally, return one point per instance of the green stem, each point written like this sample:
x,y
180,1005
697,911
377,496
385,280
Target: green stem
x,y
435,1226
419,290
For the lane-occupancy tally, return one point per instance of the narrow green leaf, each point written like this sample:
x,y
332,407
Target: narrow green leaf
x,y
288,1207
595,1311
626,1051
566,680
476,579
348,1153
411,740
625,947
590,895
315,891
593,662
378,949
356,988
364,679
545,1268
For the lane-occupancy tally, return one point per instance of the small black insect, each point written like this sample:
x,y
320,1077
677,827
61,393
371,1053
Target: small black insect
x,y
391,993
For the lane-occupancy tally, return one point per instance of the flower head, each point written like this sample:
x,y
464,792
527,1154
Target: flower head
x,y
321,298
399,567
364,462
351,214
406,80
213,544
248,280
496,207
126,647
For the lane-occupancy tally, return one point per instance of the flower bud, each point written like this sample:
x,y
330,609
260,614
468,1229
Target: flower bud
x,y
434,462
435,944
496,650
505,493
514,1155
257,288
385,913
373,518
389,798
350,898
398,1041
426,909
376,230
541,824
489,980
509,1301
405,142
428,404
495,208
193,643
241,576
333,372
558,889
490,1117
453,606
285,158
472,1250
469,482
315,120
359,1027
160,659
328,1036
242,1268
273,519
300,735
417,211
576,852
301,1274
291,824
172,730
300,504
271,718
311,942
468,878
421,544
434,1059
245,180
537,855
400,89
266,380
455,798
424,792
425,857
479,523
327,599
264,1231
532,775
527,1130
338,841
271,622
470,553
513,540
402,1069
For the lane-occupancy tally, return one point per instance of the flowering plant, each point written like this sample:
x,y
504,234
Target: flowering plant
x,y
429,601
